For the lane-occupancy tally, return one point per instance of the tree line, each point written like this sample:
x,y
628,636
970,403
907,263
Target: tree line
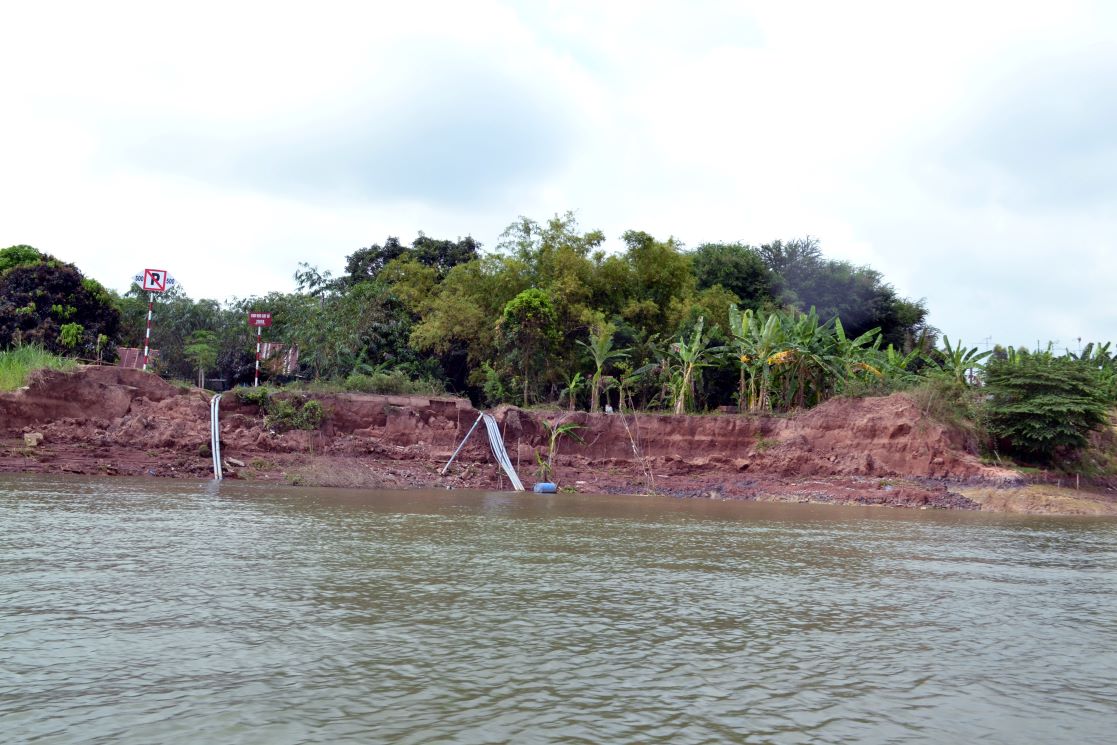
x,y
547,317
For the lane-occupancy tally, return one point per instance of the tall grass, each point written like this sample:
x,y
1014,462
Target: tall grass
x,y
18,363
949,402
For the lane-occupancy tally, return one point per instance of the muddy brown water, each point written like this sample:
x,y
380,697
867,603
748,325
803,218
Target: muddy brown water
x,y
141,611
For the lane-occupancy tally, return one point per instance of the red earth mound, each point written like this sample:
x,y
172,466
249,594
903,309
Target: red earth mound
x,y
117,421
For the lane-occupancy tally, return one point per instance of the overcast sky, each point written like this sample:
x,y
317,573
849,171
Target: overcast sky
x,y
966,150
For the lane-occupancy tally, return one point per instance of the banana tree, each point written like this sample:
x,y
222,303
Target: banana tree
x,y
740,327
855,356
601,350
768,346
808,359
688,357
555,431
960,361
1099,357
574,385
896,365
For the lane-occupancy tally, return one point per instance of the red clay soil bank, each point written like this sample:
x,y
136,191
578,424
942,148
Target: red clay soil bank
x,y
107,420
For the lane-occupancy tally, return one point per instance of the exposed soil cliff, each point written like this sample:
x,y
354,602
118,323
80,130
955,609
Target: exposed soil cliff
x,y
865,451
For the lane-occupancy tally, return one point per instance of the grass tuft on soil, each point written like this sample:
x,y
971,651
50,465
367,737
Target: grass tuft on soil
x,y
16,365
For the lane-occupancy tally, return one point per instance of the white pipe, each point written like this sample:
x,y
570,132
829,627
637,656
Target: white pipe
x,y
462,445
215,436
497,444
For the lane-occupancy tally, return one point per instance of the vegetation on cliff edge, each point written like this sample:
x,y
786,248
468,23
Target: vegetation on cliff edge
x,y
549,317
17,364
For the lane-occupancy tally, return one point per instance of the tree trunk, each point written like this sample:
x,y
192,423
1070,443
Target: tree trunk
x,y
741,392
680,402
762,397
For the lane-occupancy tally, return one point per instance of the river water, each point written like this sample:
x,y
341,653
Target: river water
x,y
144,611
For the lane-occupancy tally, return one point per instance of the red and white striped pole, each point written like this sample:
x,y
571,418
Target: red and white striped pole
x,y
147,336
256,382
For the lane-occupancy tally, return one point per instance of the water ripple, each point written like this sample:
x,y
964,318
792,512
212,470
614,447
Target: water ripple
x,y
139,611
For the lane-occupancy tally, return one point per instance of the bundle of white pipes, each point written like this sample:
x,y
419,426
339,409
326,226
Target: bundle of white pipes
x,y
215,436
496,442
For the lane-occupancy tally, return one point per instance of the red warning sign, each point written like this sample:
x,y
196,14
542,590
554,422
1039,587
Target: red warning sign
x,y
259,319
155,280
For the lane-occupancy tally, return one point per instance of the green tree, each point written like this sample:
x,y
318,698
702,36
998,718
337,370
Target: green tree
x,y
555,431
1041,406
529,327
456,319
176,317
440,255
366,263
570,391
14,256
39,295
602,351
899,368
662,273
70,335
738,268
688,357
341,331
443,255
201,350
411,281
759,339
712,303
813,359
859,356
555,257
961,362
804,278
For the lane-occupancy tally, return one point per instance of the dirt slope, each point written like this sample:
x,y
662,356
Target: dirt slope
x,y
864,451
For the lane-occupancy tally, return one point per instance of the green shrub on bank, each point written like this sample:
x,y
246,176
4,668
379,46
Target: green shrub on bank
x,y
253,396
390,382
17,364
1041,407
288,412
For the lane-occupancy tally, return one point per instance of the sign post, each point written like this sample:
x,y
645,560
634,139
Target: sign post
x,y
258,319
152,281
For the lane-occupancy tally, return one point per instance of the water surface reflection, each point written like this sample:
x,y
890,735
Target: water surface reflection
x,y
147,611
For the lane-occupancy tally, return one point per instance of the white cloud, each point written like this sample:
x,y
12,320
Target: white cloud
x,y
229,141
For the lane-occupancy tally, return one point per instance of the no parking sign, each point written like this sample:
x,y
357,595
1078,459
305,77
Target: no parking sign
x,y
152,281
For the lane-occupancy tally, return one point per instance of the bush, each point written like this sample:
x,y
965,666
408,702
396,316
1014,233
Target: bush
x,y
282,414
253,396
1041,407
52,305
377,382
391,382
285,413
494,390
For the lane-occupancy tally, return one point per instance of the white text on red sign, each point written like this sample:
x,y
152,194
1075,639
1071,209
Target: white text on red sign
x,y
259,319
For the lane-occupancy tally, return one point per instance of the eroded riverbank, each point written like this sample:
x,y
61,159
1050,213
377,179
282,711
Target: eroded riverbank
x,y
879,451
